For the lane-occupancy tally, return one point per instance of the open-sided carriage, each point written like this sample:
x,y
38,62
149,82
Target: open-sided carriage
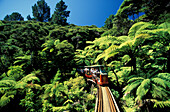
x,y
97,73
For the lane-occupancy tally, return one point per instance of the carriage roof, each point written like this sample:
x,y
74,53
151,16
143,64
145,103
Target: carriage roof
x,y
94,66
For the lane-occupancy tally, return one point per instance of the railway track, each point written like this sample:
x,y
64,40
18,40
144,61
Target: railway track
x,y
105,101
100,100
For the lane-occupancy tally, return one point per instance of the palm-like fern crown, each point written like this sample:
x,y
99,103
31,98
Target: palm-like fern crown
x,y
153,84
15,81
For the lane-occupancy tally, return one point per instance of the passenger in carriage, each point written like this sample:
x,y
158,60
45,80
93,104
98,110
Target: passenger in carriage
x,y
92,70
95,72
86,70
102,70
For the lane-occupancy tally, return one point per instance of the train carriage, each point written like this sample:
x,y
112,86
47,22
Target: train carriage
x,y
97,73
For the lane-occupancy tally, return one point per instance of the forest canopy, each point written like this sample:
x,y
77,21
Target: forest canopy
x,y
39,58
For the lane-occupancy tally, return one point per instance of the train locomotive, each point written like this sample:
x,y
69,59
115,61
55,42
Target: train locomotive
x,y
97,73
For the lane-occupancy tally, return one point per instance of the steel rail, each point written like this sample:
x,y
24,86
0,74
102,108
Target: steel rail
x,y
111,103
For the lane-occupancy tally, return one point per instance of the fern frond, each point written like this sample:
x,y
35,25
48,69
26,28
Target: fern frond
x,y
126,46
159,81
110,52
107,56
135,79
20,85
80,56
147,27
161,104
143,88
89,47
89,42
164,25
30,77
122,39
55,42
115,63
126,58
165,76
135,28
5,99
100,56
68,101
7,83
45,49
158,92
132,86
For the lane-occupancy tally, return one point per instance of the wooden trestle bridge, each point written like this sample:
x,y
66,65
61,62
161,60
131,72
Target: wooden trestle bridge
x,y
105,101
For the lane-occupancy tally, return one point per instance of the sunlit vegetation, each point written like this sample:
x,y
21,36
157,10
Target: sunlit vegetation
x,y
39,57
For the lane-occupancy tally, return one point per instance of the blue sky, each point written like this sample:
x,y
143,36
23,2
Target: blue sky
x,y
83,12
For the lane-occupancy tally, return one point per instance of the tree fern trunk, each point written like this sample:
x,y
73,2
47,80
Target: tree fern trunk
x,y
5,69
168,62
147,108
118,85
133,63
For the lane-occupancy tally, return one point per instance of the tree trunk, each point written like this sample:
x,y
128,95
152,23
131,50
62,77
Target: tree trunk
x,y
116,78
92,87
118,85
168,61
4,68
147,108
134,63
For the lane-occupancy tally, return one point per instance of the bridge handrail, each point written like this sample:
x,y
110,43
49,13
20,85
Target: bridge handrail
x,y
117,108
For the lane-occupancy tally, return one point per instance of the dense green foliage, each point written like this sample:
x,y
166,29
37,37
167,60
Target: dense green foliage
x,y
108,23
38,67
38,60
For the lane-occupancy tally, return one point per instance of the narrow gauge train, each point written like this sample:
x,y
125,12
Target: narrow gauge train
x,y
96,73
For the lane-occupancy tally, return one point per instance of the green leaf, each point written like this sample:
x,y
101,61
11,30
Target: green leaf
x,y
143,88
52,49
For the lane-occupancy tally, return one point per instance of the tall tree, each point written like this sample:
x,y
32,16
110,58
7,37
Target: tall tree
x,y
29,17
60,14
15,16
41,11
109,22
